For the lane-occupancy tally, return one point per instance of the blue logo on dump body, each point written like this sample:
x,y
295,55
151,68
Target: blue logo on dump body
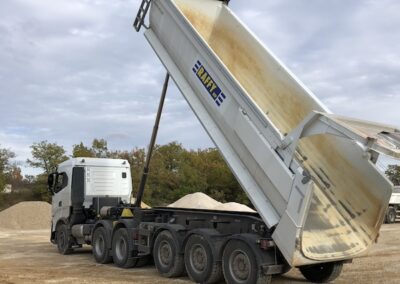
x,y
208,82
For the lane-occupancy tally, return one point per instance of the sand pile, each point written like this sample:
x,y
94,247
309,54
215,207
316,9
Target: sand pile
x,y
233,206
200,200
30,215
196,200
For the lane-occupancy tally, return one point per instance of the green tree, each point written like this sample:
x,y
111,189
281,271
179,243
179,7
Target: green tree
x,y
175,172
99,148
47,156
15,177
5,156
80,150
393,172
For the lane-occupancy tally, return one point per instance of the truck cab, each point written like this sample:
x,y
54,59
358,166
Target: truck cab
x,y
81,187
393,211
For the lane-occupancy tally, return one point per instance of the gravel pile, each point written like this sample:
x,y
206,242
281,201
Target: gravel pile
x,y
200,200
29,215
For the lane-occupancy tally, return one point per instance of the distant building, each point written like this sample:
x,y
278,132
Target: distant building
x,y
7,188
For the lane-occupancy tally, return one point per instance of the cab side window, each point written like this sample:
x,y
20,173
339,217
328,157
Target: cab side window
x,y
61,182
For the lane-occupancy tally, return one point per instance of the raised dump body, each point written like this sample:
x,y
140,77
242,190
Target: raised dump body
x,y
310,174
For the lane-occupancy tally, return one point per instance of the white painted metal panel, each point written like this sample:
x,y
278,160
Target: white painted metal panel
x,y
395,198
107,181
248,102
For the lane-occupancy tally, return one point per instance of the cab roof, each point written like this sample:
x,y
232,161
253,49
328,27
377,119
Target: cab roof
x,y
96,162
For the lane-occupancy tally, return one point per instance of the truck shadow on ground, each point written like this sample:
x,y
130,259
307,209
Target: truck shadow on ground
x,y
86,252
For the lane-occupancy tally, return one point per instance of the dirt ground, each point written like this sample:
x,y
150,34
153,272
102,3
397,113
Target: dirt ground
x,y
28,257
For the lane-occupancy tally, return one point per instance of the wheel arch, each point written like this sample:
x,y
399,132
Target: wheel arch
x,y
124,223
213,238
175,231
53,236
251,241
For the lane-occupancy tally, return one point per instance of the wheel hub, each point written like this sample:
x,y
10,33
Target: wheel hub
x,y
99,245
198,258
121,248
165,253
239,265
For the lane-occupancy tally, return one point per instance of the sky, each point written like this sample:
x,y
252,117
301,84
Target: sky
x,y
75,70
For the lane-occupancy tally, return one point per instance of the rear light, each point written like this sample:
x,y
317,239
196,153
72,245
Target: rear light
x,y
135,235
266,244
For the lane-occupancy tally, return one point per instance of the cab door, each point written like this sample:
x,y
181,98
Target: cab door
x,y
61,200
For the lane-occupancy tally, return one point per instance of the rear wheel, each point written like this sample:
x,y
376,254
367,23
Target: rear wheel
x,y
168,261
199,261
100,250
322,273
390,216
121,249
64,239
240,265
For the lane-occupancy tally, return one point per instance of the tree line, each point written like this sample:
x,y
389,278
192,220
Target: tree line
x,y
174,171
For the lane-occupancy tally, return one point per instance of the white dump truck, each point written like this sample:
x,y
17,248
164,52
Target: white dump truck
x,y
393,211
310,174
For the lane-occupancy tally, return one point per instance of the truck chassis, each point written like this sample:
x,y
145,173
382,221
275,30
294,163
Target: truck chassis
x,y
208,245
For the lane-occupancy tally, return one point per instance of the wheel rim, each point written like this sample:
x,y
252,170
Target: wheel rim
x,y
165,254
99,247
239,266
198,258
121,248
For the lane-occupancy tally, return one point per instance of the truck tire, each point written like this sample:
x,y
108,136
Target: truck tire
x,y
64,240
240,264
322,273
390,216
121,249
100,250
199,261
167,259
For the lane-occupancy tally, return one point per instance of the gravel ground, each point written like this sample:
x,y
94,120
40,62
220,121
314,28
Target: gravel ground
x,y
29,257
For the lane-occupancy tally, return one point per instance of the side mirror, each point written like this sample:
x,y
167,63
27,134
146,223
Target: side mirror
x,y
51,182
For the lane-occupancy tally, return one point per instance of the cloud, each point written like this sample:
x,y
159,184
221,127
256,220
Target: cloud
x,y
73,70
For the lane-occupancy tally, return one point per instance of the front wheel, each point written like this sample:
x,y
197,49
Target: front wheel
x,y
64,240
322,273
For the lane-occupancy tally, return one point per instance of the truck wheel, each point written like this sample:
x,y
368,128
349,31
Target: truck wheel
x,y
390,216
239,263
64,241
322,273
121,249
168,261
99,246
199,261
